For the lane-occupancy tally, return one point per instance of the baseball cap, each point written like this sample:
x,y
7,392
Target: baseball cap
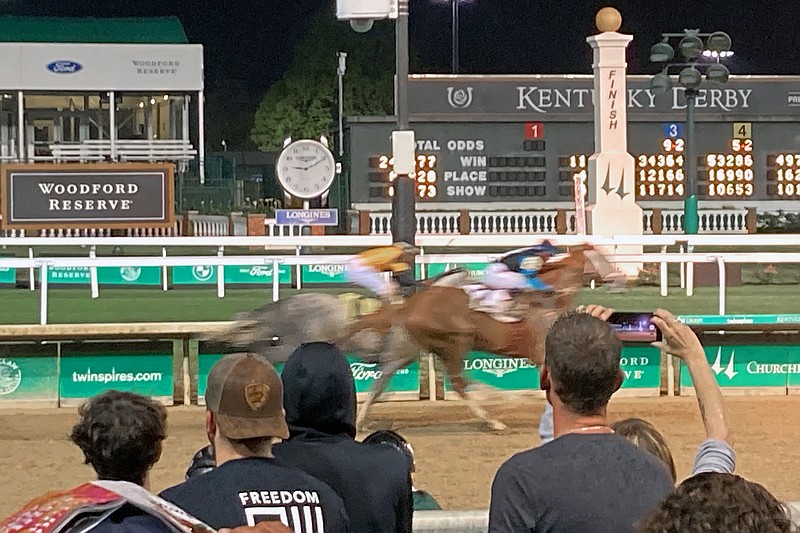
x,y
245,394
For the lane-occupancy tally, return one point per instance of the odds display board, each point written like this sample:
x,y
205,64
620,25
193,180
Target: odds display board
x,y
527,139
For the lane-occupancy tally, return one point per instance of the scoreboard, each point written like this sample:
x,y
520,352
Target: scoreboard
x,y
469,149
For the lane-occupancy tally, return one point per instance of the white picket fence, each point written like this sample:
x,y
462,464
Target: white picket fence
x,y
544,222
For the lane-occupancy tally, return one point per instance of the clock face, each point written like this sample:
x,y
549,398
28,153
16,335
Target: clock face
x,y
306,169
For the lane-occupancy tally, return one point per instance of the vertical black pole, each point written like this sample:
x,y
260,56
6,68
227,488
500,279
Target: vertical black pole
x,y
404,219
690,215
455,36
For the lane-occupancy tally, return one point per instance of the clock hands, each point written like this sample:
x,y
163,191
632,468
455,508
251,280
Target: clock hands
x,y
317,162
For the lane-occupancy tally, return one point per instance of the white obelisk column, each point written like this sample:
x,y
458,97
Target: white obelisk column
x,y
611,186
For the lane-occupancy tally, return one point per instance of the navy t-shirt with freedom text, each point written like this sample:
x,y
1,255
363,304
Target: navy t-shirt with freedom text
x,y
254,489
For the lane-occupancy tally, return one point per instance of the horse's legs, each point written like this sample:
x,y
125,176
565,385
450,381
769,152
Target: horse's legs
x,y
393,361
454,364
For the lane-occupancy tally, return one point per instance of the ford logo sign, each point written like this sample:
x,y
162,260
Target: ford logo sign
x,y
64,67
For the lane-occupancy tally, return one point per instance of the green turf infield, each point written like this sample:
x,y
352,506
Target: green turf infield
x,y
21,306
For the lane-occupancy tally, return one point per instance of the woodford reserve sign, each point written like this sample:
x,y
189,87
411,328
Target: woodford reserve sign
x,y
67,196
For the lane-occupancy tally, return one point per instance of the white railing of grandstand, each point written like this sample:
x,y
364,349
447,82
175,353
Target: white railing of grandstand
x,y
477,521
544,222
220,261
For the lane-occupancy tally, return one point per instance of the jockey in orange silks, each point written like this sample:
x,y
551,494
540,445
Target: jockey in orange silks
x,y
368,267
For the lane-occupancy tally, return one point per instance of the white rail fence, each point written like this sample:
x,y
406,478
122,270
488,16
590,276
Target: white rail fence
x,y
220,261
477,521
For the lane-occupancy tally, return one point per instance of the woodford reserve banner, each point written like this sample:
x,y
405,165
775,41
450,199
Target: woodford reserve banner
x,y
118,195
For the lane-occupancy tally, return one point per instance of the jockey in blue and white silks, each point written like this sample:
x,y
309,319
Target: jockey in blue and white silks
x,y
519,269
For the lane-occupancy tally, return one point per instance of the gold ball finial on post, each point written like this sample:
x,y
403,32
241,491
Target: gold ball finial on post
x,y
608,19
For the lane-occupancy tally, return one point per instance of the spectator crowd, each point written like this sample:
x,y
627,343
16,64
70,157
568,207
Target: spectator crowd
x,y
283,454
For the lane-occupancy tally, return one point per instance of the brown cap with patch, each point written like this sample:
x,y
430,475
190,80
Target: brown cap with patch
x,y
245,394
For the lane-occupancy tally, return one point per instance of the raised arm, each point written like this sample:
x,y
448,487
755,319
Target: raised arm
x,y
716,453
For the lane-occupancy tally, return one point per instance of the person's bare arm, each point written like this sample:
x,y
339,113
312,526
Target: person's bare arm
x,y
679,340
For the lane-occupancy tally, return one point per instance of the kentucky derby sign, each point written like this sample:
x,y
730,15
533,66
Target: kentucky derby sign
x,y
312,217
87,196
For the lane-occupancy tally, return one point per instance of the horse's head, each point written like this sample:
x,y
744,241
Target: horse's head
x,y
565,272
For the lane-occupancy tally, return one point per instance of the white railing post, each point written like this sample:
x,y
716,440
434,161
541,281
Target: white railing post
x,y
32,270
43,295
664,274
220,274
432,377
690,274
683,270
276,282
722,283
164,272
299,269
93,274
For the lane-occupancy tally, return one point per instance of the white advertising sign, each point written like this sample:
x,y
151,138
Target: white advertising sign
x,y
101,67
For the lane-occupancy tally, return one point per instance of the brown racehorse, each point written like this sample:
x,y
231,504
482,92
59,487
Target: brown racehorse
x,y
437,319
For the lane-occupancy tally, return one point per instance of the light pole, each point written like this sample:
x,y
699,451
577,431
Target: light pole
x,y
362,14
404,217
455,35
691,48
340,73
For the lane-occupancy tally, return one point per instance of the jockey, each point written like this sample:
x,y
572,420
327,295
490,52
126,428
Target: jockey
x,y
367,268
519,269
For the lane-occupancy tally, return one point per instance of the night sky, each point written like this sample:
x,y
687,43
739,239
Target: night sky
x,y
249,43
252,40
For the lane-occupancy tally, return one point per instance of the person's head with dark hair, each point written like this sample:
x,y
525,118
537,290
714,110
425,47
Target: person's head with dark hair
x,y
644,435
581,365
394,439
718,502
120,435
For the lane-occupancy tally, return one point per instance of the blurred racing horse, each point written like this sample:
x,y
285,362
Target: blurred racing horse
x,y
439,318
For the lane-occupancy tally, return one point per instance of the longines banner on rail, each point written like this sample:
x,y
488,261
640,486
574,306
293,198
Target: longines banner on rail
x,y
570,97
87,196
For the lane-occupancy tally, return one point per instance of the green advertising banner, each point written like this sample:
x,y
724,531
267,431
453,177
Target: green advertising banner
x,y
723,320
405,380
641,365
234,275
106,275
87,373
324,273
8,276
476,270
27,374
753,366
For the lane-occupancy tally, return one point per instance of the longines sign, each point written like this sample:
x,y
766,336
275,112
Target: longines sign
x,y
573,96
87,196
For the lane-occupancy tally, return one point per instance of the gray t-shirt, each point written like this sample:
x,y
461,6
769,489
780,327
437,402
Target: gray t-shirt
x,y
593,483
713,455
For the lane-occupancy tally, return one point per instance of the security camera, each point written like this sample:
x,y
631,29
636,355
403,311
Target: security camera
x,y
361,25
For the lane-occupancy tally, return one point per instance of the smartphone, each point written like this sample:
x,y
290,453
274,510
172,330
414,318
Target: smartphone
x,y
635,327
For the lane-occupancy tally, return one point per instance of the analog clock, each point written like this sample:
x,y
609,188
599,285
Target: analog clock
x,y
306,168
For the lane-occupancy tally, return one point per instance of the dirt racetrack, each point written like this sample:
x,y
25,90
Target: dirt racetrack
x,y
456,458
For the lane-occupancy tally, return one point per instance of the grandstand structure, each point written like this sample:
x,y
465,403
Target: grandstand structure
x,y
100,90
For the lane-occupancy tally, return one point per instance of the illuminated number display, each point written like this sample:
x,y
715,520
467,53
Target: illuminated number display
x,y
661,175
572,168
783,175
731,174
425,176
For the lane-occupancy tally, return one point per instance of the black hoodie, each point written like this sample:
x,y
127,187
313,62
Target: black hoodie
x,y
320,400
